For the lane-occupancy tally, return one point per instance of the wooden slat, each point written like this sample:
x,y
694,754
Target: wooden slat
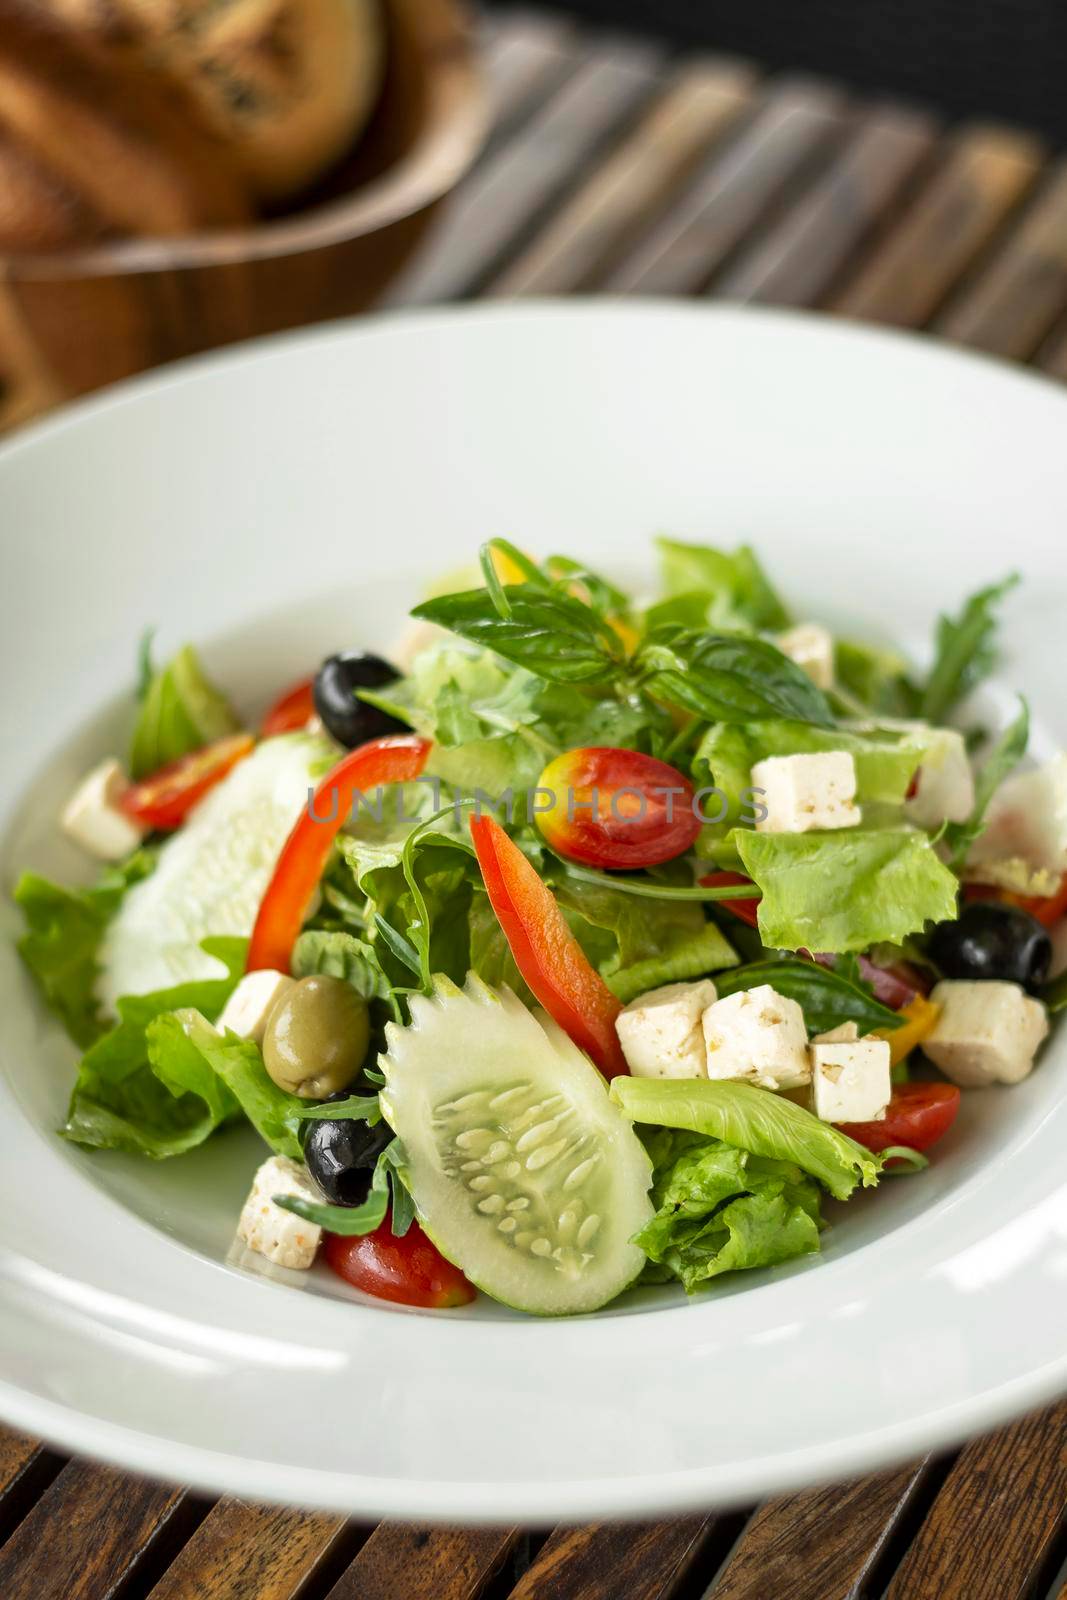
x,y
641,1561
1054,357
404,1562
505,197
1013,306
992,1525
25,1468
242,1551
526,57
909,274
86,1535
795,120
800,258
635,184
821,1544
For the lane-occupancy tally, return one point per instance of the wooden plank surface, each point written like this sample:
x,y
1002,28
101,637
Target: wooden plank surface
x,y
794,121
26,1467
992,1526
986,173
242,1550
401,1561
641,1561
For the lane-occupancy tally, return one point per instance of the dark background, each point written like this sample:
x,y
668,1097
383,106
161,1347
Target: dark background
x,y
993,59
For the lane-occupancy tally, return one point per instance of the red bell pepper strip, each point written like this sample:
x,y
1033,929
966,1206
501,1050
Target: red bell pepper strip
x,y
291,711
398,758
546,952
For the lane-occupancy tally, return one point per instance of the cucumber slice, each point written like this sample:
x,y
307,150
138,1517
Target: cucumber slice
x,y
211,874
522,1171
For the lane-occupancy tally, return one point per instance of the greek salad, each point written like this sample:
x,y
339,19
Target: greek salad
x,y
589,940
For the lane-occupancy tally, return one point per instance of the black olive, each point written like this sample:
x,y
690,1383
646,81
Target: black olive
x,y
341,1156
992,940
350,721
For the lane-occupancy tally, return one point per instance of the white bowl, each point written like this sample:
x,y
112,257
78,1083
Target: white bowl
x,y
291,499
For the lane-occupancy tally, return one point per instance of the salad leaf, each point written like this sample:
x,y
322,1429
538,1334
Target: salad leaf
x,y
876,678
827,998
62,941
708,950
1002,759
354,1221
190,1057
340,955
180,711
118,1101
845,890
731,586
554,635
965,651
751,1119
729,678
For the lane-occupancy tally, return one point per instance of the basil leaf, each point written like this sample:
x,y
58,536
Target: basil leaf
x,y
1005,755
552,635
827,998
965,651
730,678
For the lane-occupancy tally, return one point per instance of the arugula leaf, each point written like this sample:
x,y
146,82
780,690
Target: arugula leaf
x,y
965,651
1054,995
1002,759
827,998
845,890
62,941
731,586
751,1119
551,634
729,678
354,1221
180,710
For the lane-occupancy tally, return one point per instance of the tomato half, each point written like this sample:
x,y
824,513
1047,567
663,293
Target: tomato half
x,y
397,758
1047,908
546,952
291,711
409,1270
917,1116
163,800
747,910
616,808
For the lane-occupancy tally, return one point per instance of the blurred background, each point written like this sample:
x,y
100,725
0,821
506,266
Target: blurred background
x,y
178,175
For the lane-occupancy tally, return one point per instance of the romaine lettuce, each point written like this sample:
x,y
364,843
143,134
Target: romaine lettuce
x,y
180,711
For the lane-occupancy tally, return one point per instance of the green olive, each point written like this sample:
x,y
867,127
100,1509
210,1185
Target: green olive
x,y
316,1037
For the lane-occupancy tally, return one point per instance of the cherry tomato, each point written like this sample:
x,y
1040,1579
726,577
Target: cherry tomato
x,y
616,808
291,711
163,800
917,1116
408,1270
1047,908
546,952
747,910
395,759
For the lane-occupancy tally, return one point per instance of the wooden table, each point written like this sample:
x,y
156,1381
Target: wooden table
x,y
615,167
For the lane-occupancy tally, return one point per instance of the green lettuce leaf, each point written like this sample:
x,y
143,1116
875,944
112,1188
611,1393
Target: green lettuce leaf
x,y
827,998
62,941
965,651
191,1059
179,711
877,678
340,955
845,890
751,1119
731,585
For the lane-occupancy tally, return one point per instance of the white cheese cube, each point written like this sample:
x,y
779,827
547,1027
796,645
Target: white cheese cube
x,y
246,1011
804,792
944,790
1027,820
850,1081
812,648
988,1032
758,1036
92,817
660,1031
844,1033
283,1238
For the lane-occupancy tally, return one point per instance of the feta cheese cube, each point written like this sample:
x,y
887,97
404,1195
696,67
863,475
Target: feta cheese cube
x,y
1027,818
660,1031
283,1238
246,1011
758,1036
803,792
812,648
988,1032
844,1033
92,817
850,1081
944,789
